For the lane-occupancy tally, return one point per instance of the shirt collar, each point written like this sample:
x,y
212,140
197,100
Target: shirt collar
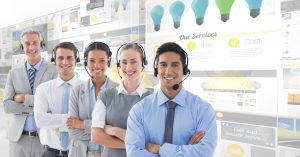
x,y
179,98
139,91
36,66
60,82
104,84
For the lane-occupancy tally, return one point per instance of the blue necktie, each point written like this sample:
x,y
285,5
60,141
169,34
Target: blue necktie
x,y
31,78
169,122
64,136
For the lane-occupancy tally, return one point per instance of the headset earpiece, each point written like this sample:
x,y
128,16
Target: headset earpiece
x,y
78,59
52,56
43,45
145,61
186,70
108,62
155,72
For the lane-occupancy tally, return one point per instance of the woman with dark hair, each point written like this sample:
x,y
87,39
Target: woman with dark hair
x,y
83,98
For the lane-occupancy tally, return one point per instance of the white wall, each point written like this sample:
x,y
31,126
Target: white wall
x,y
15,11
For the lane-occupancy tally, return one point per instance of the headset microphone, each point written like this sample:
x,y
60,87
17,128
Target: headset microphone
x,y
88,72
176,86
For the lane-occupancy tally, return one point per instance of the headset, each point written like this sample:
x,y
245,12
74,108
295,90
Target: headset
x,y
42,43
97,46
144,59
67,45
178,50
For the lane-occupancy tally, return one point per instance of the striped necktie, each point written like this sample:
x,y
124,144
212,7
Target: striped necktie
x,y
31,76
64,136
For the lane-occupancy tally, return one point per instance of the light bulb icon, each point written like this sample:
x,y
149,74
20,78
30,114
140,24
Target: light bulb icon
x,y
224,7
176,10
157,13
254,7
124,4
199,7
116,5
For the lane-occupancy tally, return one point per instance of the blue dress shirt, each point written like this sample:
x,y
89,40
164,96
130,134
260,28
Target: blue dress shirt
x,y
92,99
146,123
30,123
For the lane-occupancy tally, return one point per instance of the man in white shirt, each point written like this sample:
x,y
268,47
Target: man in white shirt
x,y
52,101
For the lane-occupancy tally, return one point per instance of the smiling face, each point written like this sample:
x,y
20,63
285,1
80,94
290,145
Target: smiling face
x,y
131,64
170,70
32,47
65,63
97,62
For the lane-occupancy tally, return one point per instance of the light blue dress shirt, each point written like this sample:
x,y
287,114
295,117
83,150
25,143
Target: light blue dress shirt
x,y
30,123
146,123
92,98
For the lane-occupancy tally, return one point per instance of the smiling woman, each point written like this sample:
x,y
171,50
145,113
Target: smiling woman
x,y
11,10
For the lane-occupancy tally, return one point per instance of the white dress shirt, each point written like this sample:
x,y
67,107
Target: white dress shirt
x,y
47,111
99,111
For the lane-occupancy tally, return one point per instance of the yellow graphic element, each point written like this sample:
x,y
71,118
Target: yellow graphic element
x,y
94,18
155,48
219,114
191,46
115,76
1,95
230,83
234,42
235,150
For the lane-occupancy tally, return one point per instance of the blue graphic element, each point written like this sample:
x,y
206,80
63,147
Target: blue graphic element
x,y
199,7
157,13
176,10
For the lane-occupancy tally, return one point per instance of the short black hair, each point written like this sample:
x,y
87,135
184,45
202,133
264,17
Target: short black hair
x,y
171,47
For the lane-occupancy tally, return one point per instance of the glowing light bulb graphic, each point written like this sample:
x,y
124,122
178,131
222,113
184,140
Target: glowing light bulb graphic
x,y
124,4
254,7
224,7
157,13
199,7
116,5
176,10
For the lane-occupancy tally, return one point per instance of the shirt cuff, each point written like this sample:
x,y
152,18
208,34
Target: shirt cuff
x,y
28,101
98,125
64,119
168,149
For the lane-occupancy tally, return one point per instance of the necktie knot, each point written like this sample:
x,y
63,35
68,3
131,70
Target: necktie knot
x,y
66,85
32,69
171,105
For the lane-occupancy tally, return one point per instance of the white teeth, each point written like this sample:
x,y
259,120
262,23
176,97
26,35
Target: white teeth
x,y
169,78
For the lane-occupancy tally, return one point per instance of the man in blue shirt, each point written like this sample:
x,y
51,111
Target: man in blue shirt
x,y
193,123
